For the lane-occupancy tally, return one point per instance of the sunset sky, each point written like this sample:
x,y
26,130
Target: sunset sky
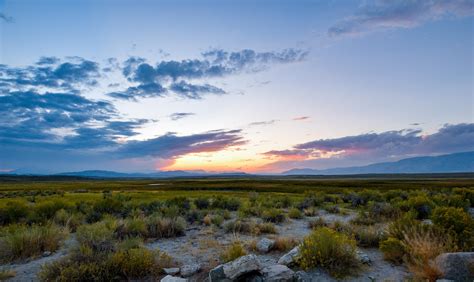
x,y
253,86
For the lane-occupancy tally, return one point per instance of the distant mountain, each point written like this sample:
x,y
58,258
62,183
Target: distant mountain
x,y
457,162
159,174
113,174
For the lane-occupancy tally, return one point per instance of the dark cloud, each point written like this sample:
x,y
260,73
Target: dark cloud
x,y
214,63
172,146
6,18
382,15
50,73
178,116
148,90
193,91
376,147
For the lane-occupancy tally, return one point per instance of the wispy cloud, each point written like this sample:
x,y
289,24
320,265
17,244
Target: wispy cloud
x,y
263,123
178,116
6,18
380,15
301,118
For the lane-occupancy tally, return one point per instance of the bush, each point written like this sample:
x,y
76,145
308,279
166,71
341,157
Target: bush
x,y
265,228
46,210
393,250
249,227
284,244
131,227
458,223
330,250
226,203
367,236
20,241
202,203
97,236
232,252
6,274
159,227
316,223
421,204
13,212
273,215
295,213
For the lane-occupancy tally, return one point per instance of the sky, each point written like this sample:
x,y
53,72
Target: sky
x,y
249,86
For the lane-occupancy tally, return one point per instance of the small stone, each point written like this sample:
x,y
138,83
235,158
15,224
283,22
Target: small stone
x,y
171,270
278,272
363,257
46,253
427,221
190,269
265,245
169,278
289,258
302,276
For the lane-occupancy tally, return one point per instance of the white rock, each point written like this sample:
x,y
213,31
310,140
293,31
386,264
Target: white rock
x,y
265,245
171,271
278,272
363,257
241,266
169,278
289,258
190,269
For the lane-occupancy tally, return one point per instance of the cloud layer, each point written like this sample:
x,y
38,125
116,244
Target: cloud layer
x,y
383,14
375,147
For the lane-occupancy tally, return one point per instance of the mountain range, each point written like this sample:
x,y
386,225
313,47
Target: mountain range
x,y
457,162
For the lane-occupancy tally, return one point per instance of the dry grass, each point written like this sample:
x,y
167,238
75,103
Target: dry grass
x,y
6,274
283,244
422,248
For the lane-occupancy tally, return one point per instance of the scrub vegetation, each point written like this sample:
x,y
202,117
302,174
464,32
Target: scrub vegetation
x,y
410,220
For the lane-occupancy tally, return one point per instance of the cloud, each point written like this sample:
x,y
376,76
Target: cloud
x,y
260,123
50,73
6,18
193,91
375,147
212,64
172,146
395,14
178,116
301,118
148,90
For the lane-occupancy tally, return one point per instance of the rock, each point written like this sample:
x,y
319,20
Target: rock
x,y
217,274
444,280
171,271
278,272
302,276
289,258
427,221
456,266
190,269
169,278
265,245
363,257
46,253
241,266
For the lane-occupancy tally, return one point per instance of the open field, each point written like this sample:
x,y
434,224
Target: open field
x,y
347,228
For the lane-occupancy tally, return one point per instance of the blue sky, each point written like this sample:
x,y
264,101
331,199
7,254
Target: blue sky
x,y
232,85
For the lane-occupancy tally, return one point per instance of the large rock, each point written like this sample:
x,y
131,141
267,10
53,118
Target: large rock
x,y
169,278
278,272
265,245
456,266
241,266
290,257
190,269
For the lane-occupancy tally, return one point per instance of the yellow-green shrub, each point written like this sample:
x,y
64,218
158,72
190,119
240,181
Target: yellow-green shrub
x,y
233,251
333,251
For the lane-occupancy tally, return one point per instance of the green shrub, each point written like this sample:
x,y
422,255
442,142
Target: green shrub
x,y
393,250
458,223
367,236
131,227
316,223
226,203
273,215
265,228
162,227
295,213
47,209
21,241
97,236
330,250
233,251
13,212
202,203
